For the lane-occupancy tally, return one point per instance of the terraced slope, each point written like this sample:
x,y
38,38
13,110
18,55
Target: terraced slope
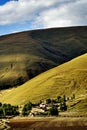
x,y
27,54
68,78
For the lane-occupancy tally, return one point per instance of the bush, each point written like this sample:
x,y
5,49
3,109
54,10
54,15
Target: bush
x,y
53,111
26,109
8,110
63,99
25,112
63,106
54,101
59,99
48,101
1,112
73,96
0,104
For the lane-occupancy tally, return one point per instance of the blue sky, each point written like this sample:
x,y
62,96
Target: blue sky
x,y
21,15
3,1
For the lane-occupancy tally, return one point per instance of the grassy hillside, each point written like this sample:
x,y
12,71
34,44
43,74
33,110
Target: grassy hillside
x,y
79,105
68,78
27,54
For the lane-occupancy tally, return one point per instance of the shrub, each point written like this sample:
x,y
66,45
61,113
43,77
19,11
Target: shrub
x,y
63,106
59,99
0,104
25,112
53,111
1,112
8,110
26,109
48,101
73,96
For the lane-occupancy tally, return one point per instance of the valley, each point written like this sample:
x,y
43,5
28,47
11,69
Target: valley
x,y
39,65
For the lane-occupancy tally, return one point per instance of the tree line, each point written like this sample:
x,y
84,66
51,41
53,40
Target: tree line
x,y
8,110
56,105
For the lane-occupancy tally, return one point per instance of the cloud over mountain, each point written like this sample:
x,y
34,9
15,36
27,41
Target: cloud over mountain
x,y
44,13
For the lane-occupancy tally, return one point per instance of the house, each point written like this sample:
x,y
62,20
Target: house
x,y
36,111
43,106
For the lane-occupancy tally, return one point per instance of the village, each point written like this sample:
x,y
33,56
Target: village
x,y
48,107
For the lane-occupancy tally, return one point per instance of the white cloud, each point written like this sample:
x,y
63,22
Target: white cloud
x,y
45,13
69,14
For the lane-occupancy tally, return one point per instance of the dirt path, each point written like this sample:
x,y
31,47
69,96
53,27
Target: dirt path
x,y
4,124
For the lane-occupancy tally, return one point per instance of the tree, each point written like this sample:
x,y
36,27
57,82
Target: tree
x,y
48,101
59,99
53,101
0,104
53,111
1,112
9,110
63,106
26,109
73,96
67,98
63,99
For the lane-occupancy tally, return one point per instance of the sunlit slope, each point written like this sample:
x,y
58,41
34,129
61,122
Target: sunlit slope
x,y
68,78
27,54
79,105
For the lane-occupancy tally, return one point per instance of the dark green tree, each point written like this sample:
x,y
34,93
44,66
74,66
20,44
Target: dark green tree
x,y
48,101
67,98
73,96
59,99
64,98
1,112
53,111
25,112
26,109
0,104
9,110
63,106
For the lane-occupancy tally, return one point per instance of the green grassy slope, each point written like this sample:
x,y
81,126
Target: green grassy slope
x,y
68,78
27,54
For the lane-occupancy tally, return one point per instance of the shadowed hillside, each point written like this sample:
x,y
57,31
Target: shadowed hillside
x,y
68,78
27,54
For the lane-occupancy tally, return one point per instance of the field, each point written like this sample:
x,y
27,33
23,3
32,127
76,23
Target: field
x,y
50,123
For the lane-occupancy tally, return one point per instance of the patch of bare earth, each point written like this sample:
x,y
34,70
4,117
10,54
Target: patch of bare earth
x,y
55,123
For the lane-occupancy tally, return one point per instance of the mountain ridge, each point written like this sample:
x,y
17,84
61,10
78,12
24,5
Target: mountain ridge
x,y
5,35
